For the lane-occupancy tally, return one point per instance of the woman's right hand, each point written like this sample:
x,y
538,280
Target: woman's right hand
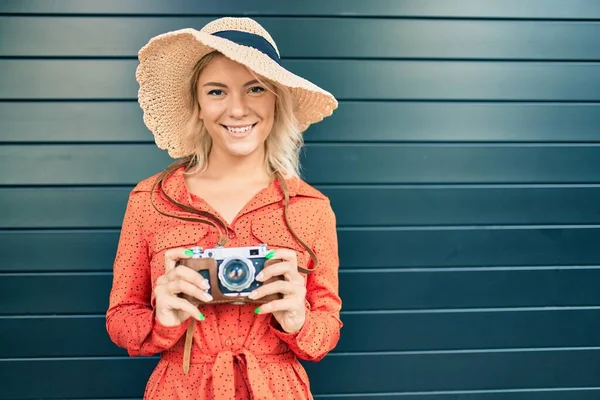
x,y
171,309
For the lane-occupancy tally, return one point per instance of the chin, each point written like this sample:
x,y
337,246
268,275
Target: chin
x,y
242,150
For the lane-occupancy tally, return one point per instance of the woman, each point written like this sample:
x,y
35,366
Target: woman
x,y
219,101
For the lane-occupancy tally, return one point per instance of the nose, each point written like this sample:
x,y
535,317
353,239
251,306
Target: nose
x,y
238,107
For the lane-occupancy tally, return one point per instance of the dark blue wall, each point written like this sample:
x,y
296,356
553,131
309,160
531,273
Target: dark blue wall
x,y
463,164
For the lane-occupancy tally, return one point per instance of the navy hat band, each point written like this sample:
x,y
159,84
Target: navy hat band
x,y
249,39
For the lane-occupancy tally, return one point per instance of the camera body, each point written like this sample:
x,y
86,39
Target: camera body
x,y
236,268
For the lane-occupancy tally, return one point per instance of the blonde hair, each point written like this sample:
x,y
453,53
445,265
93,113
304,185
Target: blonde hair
x,y
283,144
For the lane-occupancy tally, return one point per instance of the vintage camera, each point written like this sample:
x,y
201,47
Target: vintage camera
x,y
236,268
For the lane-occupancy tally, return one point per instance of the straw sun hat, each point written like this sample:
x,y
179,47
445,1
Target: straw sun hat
x,y
167,61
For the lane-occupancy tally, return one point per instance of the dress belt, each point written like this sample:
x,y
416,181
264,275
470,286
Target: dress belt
x,y
222,370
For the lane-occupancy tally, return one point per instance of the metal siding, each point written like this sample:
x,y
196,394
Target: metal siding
x,y
467,136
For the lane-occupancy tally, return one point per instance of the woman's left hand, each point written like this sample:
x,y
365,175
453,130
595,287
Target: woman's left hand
x,y
289,311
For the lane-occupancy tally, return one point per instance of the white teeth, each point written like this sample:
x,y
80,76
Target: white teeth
x,y
239,130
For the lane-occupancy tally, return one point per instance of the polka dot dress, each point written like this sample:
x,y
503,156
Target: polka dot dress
x,y
236,354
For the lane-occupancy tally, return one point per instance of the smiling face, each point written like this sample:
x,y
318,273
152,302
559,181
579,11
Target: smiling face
x,y
237,111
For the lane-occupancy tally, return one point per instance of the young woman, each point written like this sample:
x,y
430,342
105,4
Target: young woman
x,y
219,100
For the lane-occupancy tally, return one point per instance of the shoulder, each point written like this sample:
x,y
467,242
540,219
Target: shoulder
x,y
300,188
146,184
139,197
310,200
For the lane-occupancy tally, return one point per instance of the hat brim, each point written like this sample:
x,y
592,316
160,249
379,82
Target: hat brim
x,y
164,72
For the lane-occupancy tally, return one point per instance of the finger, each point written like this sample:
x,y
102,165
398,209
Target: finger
x,y
284,287
286,269
185,287
182,272
285,255
174,255
162,280
177,303
288,304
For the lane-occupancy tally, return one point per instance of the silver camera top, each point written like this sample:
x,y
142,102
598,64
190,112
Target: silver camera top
x,y
221,253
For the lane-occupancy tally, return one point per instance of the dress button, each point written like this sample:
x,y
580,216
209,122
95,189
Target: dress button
x,y
228,342
231,235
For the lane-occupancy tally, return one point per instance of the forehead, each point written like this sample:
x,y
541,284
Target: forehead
x,y
224,70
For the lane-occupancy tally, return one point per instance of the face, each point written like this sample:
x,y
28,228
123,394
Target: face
x,y
236,109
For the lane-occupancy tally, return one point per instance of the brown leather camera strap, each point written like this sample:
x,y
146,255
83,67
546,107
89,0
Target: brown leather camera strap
x,y
212,220
286,196
208,217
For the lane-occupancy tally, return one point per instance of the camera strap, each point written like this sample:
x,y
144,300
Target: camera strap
x,y
210,219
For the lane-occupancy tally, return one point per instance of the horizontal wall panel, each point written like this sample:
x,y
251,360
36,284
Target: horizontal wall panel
x,y
471,330
87,336
469,247
541,394
574,9
321,38
381,206
322,164
386,290
57,337
389,290
85,164
50,251
532,394
412,372
58,251
73,122
63,207
36,294
55,122
422,80
397,206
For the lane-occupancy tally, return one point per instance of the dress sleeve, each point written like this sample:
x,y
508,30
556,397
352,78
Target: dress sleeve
x,y
321,330
130,318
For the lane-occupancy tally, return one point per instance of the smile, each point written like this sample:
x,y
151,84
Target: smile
x,y
239,129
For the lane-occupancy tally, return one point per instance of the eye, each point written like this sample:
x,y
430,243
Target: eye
x,y
215,92
257,89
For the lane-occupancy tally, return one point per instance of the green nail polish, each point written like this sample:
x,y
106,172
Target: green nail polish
x,y
269,255
188,253
257,310
201,317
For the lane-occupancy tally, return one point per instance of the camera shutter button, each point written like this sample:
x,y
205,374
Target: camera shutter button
x,y
231,235
228,342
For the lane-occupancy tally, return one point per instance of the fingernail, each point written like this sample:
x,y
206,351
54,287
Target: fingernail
x,y
252,294
188,253
269,255
260,276
205,284
257,310
201,317
209,297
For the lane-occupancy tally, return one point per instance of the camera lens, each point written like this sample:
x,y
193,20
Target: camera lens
x,y
236,274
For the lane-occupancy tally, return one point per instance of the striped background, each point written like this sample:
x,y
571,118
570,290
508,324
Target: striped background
x,y
463,165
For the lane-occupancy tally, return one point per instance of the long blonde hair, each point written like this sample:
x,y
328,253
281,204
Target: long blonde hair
x,y
282,146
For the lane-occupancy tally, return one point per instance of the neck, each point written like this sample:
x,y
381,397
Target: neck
x,y
224,166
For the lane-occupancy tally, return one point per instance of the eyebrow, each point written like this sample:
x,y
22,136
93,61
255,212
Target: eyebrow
x,y
253,82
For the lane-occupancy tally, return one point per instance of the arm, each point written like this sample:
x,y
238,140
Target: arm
x,y
130,320
321,330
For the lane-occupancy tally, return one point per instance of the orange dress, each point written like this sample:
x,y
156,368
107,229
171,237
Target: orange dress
x,y
236,354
